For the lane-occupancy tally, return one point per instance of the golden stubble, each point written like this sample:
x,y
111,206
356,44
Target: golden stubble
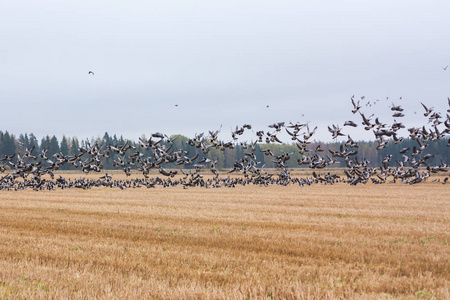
x,y
323,242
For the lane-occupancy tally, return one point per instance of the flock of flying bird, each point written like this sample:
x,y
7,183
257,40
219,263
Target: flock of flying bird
x,y
36,171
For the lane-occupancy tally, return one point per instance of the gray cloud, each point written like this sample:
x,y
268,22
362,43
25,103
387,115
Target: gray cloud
x,y
222,62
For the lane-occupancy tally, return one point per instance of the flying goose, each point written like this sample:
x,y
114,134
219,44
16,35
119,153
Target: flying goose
x,y
356,106
427,110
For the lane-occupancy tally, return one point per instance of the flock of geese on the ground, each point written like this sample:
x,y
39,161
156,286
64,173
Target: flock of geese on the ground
x,y
28,172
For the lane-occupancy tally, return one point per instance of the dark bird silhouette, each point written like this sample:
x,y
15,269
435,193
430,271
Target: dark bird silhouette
x,y
277,126
356,106
396,107
366,122
350,123
427,110
335,131
90,73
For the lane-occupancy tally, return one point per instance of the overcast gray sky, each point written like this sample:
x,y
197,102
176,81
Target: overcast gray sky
x,y
221,62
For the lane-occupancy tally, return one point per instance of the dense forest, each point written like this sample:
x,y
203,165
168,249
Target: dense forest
x,y
225,157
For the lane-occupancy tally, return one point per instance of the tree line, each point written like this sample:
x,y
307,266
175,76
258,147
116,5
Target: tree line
x,y
70,146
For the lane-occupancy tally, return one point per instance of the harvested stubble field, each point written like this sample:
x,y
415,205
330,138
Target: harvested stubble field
x,y
323,242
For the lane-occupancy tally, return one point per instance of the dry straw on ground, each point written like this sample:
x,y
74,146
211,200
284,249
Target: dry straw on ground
x,y
322,242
